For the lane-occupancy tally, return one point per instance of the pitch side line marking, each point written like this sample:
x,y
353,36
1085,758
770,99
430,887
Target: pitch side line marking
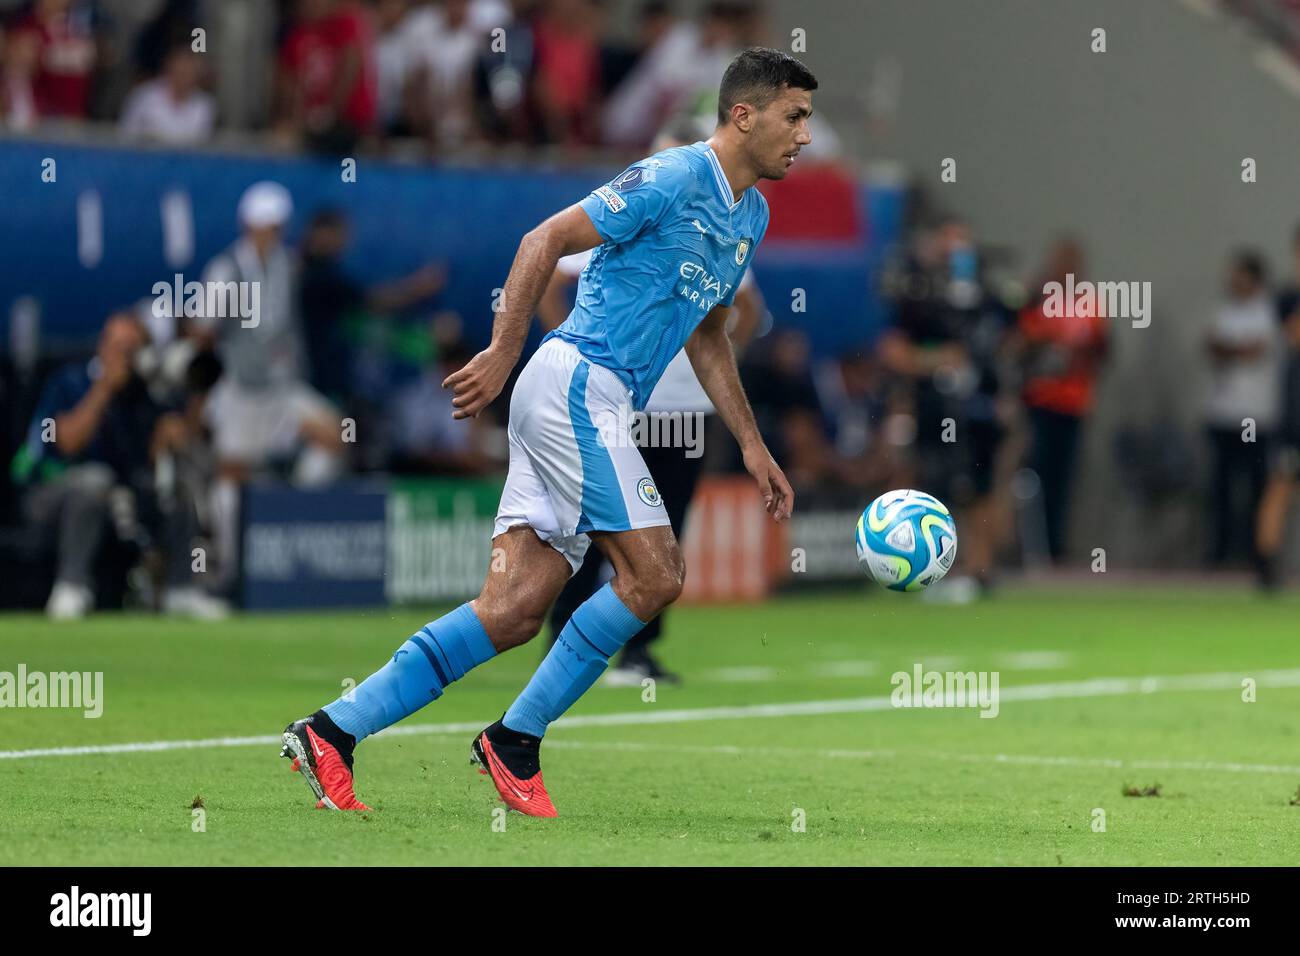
x,y
1109,763
1062,690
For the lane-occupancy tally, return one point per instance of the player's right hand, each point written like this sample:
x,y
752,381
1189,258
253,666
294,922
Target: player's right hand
x,y
478,382
778,496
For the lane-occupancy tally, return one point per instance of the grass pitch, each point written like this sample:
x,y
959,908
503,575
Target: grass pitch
x,y
702,774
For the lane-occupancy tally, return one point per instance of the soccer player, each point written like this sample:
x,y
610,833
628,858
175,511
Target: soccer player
x,y
676,471
676,232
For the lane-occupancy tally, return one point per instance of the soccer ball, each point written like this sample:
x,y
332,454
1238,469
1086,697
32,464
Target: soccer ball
x,y
906,540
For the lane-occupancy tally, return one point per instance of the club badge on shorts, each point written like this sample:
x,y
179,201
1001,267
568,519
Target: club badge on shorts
x,y
647,492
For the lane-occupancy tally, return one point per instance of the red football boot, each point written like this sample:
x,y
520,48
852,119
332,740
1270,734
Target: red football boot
x,y
327,770
511,760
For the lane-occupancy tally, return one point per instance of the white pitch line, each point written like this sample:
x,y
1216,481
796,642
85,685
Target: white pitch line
x,y
1063,690
1039,760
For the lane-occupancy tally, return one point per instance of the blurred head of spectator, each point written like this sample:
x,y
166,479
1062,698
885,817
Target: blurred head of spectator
x,y
654,20
1064,257
173,107
264,210
171,26
1247,275
326,236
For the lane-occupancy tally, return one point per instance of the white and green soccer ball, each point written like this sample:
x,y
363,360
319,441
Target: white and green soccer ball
x,y
906,540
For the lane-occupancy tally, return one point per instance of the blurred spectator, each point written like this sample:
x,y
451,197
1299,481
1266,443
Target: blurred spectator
x,y
568,70
20,63
1284,457
778,381
170,27
91,430
392,65
947,343
329,296
1060,359
89,455
855,402
263,414
184,471
327,83
172,108
426,439
67,51
618,59
503,81
685,62
1245,355
443,41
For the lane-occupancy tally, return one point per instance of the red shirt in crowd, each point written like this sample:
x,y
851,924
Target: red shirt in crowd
x,y
568,71
313,54
1068,391
65,61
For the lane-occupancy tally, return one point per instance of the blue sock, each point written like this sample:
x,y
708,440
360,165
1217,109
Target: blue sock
x,y
440,652
598,628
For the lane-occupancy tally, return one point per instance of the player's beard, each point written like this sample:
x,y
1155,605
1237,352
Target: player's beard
x,y
767,169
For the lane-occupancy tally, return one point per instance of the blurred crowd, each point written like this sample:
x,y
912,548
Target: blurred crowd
x,y
972,392
127,464
346,75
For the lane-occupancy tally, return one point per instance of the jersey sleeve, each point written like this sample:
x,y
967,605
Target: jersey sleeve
x,y
635,201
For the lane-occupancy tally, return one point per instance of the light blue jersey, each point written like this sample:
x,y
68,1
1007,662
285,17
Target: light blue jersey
x,y
676,245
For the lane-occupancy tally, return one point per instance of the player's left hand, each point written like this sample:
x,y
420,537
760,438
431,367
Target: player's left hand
x,y
478,382
778,496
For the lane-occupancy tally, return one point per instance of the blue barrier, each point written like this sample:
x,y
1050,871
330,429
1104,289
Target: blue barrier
x,y
401,217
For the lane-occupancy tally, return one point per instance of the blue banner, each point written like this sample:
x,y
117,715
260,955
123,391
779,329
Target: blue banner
x,y
313,548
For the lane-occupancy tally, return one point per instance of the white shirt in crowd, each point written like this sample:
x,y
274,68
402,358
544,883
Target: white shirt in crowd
x,y
1247,387
151,113
425,39
679,66
678,389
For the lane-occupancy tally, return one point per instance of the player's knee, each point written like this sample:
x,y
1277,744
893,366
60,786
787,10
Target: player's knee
x,y
509,627
662,585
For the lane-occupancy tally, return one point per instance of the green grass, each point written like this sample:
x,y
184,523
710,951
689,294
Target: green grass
x,y
890,786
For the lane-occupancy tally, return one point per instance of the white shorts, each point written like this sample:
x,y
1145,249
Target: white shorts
x,y
252,425
573,465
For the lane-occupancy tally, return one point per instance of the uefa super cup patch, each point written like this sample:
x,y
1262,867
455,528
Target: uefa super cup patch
x,y
634,176
613,200
629,179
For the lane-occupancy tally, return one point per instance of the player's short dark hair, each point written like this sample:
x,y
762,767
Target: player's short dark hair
x,y
758,75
